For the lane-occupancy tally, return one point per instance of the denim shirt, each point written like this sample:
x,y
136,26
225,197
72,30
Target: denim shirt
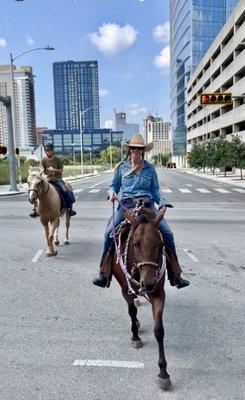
x,y
143,183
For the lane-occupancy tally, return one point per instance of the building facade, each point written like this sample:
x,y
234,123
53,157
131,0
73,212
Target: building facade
x,y
95,140
222,69
121,124
25,132
40,132
76,88
193,26
157,130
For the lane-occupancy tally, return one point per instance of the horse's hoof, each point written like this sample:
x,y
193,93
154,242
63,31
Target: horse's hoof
x,y
55,253
66,242
164,383
136,344
57,242
49,254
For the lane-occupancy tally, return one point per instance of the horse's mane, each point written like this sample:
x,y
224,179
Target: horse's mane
x,y
37,174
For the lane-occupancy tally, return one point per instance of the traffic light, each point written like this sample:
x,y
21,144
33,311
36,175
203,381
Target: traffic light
x,y
3,150
215,98
17,151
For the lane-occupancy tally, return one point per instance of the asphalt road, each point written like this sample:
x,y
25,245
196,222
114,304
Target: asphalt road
x,y
51,315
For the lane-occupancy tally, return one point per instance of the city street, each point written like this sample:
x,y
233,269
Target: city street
x,y
51,316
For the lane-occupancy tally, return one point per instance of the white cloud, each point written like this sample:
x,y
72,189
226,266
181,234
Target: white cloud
x,y
103,92
109,124
162,60
3,42
112,38
161,33
134,109
30,40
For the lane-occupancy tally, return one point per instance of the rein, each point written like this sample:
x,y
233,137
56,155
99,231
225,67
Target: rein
x,y
123,264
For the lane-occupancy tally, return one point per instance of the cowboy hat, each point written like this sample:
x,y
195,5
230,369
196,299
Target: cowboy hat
x,y
138,141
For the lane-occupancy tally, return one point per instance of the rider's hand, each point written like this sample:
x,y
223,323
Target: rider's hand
x,y
112,197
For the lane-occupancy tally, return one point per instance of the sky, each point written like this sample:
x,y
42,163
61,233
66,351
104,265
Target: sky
x,y
129,38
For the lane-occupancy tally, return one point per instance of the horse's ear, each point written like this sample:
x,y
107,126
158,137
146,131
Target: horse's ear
x,y
131,218
157,219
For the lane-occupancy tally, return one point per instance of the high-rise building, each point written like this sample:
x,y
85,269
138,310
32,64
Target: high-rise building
x,y
193,26
76,88
157,130
25,132
121,124
40,134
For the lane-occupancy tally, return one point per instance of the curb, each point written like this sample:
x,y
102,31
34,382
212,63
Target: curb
x,y
222,180
12,193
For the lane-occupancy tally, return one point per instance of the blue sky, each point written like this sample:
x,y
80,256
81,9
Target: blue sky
x,y
129,38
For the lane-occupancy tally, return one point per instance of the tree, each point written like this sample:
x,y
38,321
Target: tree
x,y
239,153
106,154
225,154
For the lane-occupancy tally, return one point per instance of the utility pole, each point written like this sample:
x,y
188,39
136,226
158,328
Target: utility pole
x,y
11,153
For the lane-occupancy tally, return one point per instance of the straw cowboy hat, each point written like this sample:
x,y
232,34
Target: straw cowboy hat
x,y
138,141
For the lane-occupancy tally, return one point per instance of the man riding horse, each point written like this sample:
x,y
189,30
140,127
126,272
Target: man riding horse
x,y
138,179
52,168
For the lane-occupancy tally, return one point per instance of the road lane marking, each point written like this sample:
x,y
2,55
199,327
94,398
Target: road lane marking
x,y
239,190
37,256
99,183
94,191
203,190
185,190
188,184
167,190
222,190
191,255
109,363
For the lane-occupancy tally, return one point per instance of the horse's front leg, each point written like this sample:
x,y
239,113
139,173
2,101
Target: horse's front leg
x,y
68,218
46,229
54,226
132,310
157,309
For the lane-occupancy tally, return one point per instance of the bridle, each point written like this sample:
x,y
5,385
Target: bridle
x,y
39,196
123,260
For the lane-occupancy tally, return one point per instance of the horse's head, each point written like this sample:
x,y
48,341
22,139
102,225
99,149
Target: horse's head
x,y
36,186
147,247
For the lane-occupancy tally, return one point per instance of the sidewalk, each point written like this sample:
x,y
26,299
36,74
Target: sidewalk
x,y
4,189
230,178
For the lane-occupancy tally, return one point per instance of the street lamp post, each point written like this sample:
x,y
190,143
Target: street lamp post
x,y
14,131
81,132
110,150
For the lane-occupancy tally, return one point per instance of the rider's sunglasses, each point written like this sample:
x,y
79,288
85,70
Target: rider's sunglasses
x,y
136,149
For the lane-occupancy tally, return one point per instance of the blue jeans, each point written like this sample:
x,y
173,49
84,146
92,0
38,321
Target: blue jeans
x,y
64,192
119,217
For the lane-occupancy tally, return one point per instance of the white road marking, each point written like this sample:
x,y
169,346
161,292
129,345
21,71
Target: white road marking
x,y
185,190
222,190
109,363
37,256
239,190
188,184
94,191
166,190
191,255
203,190
99,183
77,190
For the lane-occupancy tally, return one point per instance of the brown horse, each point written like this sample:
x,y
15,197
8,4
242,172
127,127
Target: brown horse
x,y
143,272
48,208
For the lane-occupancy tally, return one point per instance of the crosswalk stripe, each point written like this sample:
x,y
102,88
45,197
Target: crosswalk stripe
x,y
239,190
94,190
185,190
203,190
166,190
77,190
222,190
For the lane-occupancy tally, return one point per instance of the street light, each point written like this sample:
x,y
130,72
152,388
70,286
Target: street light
x,y
110,149
81,132
12,59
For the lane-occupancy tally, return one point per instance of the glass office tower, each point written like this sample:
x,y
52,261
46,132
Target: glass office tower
x,y
194,24
76,88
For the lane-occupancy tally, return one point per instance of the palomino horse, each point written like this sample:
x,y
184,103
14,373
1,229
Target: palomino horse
x,y
48,208
143,272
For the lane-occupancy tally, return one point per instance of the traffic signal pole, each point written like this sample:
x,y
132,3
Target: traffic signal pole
x,y
11,153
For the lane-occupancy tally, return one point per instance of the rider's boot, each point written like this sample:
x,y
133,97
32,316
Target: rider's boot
x,y
103,278
71,212
174,271
34,213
